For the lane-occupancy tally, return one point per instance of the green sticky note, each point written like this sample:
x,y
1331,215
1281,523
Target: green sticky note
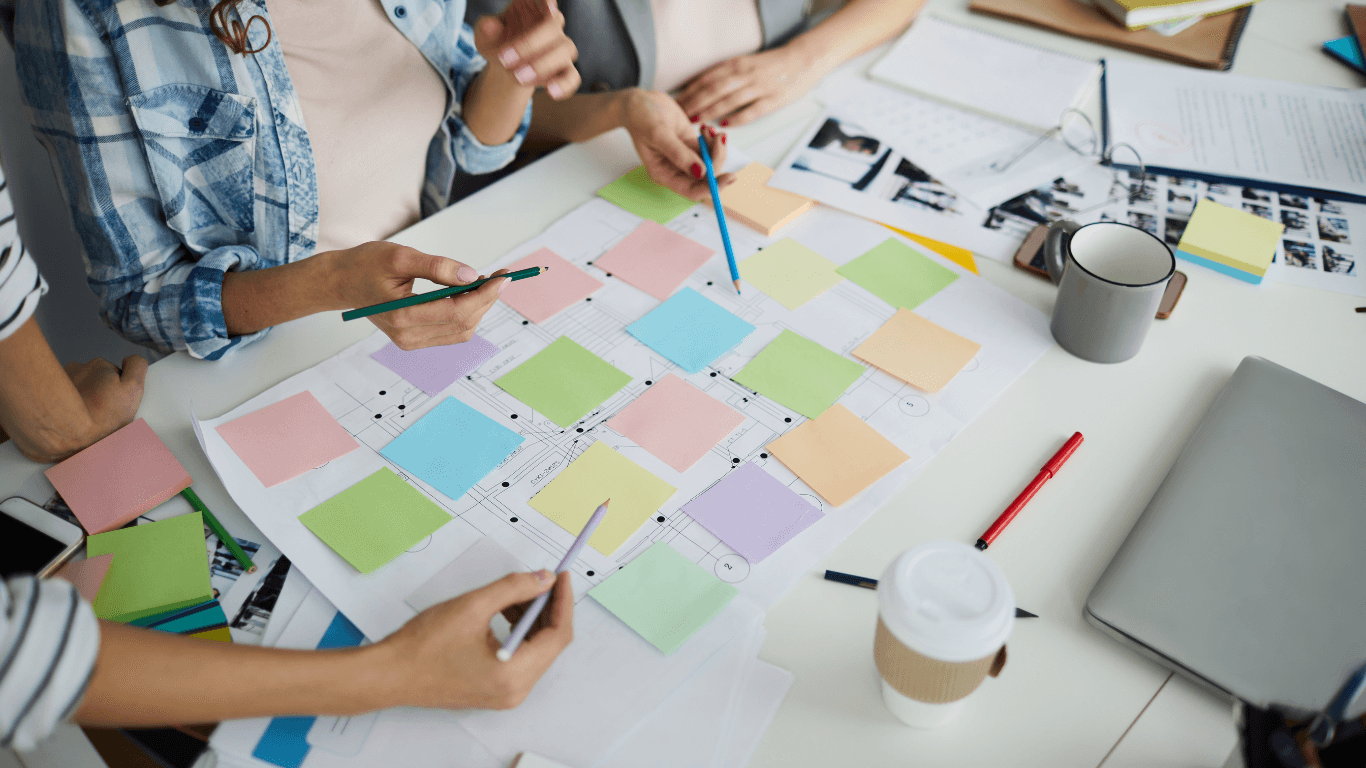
x,y
899,274
790,273
663,596
800,374
157,567
638,194
564,381
375,520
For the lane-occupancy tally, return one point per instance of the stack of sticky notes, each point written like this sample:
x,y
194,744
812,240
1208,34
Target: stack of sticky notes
x,y
157,567
87,575
1227,240
118,478
205,621
766,210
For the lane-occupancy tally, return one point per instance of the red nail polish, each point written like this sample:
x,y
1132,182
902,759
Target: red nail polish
x,y
723,138
697,170
692,119
725,123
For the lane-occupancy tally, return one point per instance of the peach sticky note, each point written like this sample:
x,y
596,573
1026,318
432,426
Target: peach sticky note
x,y
761,208
119,478
87,575
286,439
837,454
654,259
542,297
676,422
917,351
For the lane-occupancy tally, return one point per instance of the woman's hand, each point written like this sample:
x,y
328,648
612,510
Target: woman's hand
x,y
445,657
377,272
745,88
667,143
528,42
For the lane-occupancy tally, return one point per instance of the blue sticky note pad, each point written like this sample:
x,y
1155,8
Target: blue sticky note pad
x,y
1346,50
690,330
452,447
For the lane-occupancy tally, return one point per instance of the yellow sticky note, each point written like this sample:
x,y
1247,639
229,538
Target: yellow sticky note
x,y
960,256
601,473
917,351
760,207
790,273
1237,243
837,454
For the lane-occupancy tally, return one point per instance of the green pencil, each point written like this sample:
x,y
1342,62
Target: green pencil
x,y
423,298
220,531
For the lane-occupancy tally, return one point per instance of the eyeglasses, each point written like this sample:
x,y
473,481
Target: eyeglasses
x,y
1080,136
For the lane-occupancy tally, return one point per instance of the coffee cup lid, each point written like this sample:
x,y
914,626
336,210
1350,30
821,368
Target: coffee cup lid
x,y
948,601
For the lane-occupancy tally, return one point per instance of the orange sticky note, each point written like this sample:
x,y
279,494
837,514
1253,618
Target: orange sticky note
x,y
119,478
837,454
960,256
760,207
288,438
87,575
917,351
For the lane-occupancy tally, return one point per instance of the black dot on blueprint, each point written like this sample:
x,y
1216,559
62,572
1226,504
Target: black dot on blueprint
x,y
580,429
401,407
763,455
609,274
708,282
788,420
659,519
590,573
505,485
524,322
379,416
382,392
589,263
515,416
713,375
648,382
735,461
514,519
746,399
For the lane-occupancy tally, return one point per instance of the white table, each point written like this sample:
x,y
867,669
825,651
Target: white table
x,y
1069,696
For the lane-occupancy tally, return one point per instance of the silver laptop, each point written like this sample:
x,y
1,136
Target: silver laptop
x,y
1247,570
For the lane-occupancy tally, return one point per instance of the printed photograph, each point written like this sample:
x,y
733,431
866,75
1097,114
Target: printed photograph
x,y
1142,193
1294,201
1219,189
1181,181
1333,229
1260,210
842,151
1144,221
1174,229
256,609
1296,222
1299,254
914,187
1180,200
1338,262
1059,200
1328,206
1256,195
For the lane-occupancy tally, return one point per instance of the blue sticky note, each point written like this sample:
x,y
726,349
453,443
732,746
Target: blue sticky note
x,y
690,330
1348,51
285,742
452,447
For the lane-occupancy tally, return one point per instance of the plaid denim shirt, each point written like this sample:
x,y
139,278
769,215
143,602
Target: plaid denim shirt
x,y
181,160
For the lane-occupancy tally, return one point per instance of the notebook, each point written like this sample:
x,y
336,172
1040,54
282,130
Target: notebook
x,y
1140,13
1209,44
995,76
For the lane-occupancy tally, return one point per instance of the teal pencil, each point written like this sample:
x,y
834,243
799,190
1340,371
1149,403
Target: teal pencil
x,y
220,531
423,298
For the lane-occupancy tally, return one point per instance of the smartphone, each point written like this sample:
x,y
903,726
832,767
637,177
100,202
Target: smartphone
x,y
33,540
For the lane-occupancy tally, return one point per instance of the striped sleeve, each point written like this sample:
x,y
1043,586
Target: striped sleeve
x,y
49,640
20,283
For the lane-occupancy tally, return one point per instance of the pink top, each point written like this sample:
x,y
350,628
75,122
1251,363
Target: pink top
x,y
372,105
693,35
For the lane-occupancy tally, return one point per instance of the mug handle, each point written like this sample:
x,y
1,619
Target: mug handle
x,y
1059,235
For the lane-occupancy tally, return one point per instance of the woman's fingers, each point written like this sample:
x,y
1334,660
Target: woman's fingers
x,y
707,88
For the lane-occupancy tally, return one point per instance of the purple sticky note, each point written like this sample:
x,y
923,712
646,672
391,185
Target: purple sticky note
x,y
434,368
752,512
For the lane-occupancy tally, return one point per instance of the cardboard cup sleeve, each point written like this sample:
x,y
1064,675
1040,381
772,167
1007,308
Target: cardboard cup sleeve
x,y
930,680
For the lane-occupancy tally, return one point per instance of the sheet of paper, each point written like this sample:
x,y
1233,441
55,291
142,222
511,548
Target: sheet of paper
x,y
638,194
790,273
800,374
1247,128
542,297
86,575
977,157
157,567
995,76
120,477
375,520
676,422
752,512
293,592
596,475
898,274
763,695
1220,236
690,330
433,369
482,564
654,259
849,166
287,438
837,454
564,381
758,206
915,350
452,447
663,597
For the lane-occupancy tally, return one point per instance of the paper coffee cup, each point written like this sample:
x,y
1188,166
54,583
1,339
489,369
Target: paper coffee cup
x,y
944,613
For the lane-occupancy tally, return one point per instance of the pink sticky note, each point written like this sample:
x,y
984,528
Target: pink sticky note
x,y
654,259
119,478
87,575
676,422
540,298
286,439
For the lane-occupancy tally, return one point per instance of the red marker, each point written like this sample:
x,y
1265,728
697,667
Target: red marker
x,y
1049,470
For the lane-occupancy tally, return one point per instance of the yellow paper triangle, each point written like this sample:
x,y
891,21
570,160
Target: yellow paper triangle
x,y
960,256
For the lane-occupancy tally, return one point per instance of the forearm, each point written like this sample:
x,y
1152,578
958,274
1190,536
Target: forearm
x,y
146,678
262,298
854,29
40,408
494,105
579,117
